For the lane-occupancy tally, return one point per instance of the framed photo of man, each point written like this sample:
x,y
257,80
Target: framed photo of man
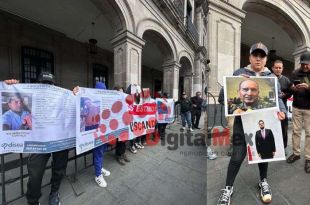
x,y
243,95
263,136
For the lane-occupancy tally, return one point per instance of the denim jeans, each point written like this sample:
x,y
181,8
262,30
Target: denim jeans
x,y
186,117
98,158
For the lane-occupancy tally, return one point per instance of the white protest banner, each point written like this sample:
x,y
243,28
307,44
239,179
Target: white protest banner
x,y
102,116
143,111
36,118
165,110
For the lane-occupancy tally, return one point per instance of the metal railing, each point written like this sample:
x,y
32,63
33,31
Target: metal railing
x,y
18,161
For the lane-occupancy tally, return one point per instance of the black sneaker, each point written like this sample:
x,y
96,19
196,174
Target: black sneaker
x,y
54,198
225,196
120,160
265,191
125,157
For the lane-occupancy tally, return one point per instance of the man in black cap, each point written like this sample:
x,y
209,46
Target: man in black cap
x,y
258,59
301,109
37,163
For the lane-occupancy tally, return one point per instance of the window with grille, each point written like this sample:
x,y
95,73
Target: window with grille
x,y
34,61
100,74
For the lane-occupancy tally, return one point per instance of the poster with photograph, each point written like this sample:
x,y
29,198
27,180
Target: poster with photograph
x,y
243,95
165,110
36,118
102,116
143,111
263,136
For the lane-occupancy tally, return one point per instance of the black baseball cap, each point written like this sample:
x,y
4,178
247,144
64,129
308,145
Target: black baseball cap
x,y
46,77
305,58
259,46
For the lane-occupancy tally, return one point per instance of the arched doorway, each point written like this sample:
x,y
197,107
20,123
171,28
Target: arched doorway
x,y
156,52
186,76
281,32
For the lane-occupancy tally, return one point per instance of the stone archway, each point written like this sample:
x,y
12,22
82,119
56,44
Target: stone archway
x,y
288,27
186,76
156,53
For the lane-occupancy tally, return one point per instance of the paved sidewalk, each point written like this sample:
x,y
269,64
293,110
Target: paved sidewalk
x,y
289,182
155,175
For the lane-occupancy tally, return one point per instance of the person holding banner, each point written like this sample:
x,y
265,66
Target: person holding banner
x,y
37,162
258,59
120,150
162,126
100,172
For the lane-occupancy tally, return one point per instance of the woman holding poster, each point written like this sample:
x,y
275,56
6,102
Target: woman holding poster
x,y
258,59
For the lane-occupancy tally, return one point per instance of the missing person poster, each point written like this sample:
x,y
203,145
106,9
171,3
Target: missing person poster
x,y
243,95
101,116
263,136
165,110
143,111
36,118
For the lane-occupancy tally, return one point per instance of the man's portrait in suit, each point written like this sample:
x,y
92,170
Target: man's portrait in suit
x,y
264,140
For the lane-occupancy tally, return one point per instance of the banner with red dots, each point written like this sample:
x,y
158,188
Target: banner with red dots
x,y
165,110
143,119
102,116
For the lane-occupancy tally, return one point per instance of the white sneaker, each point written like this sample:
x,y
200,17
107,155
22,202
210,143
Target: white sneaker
x,y
183,128
133,149
141,145
137,145
225,196
265,191
210,154
190,129
105,172
100,181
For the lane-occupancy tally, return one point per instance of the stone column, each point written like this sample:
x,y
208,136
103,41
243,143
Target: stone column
x,y
171,79
224,39
127,59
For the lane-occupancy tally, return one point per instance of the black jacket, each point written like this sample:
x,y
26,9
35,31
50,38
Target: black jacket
x,y
197,101
265,147
185,104
301,96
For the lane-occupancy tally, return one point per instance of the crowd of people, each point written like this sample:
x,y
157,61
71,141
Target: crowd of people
x,y
17,117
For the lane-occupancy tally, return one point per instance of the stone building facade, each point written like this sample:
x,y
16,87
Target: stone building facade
x,y
234,25
160,44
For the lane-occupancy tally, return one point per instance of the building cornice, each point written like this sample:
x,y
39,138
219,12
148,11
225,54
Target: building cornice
x,y
227,9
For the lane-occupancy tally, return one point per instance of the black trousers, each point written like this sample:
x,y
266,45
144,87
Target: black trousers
x,y
36,168
120,148
196,114
162,130
237,157
284,127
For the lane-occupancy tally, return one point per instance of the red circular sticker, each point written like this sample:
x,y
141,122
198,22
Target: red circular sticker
x,y
102,128
105,114
129,99
113,124
117,107
127,118
124,136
